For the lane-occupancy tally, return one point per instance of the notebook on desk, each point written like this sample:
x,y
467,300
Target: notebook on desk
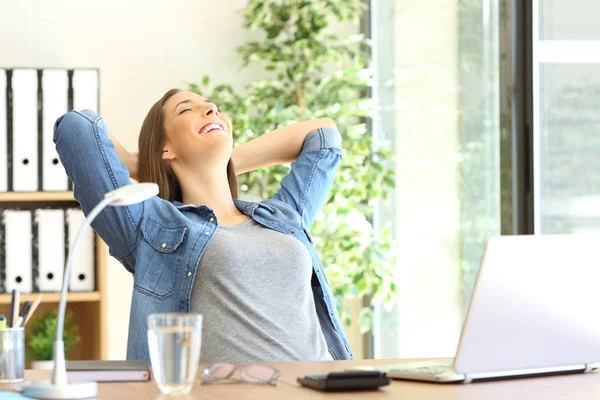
x,y
108,371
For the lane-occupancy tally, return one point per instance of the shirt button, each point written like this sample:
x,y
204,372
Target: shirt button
x,y
292,232
207,233
163,245
212,220
189,274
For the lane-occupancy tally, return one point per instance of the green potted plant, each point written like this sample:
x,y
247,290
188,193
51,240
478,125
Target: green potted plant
x,y
312,72
41,335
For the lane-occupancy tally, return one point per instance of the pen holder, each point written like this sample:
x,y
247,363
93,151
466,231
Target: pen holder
x,y
12,355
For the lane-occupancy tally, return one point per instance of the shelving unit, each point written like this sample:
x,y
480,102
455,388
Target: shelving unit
x,y
88,309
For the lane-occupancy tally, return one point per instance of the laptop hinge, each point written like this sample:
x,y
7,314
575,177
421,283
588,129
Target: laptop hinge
x,y
468,379
592,367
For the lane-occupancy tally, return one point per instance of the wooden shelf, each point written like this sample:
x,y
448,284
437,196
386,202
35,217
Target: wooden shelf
x,y
36,196
54,297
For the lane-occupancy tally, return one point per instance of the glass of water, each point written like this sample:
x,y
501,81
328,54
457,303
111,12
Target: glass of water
x,y
174,341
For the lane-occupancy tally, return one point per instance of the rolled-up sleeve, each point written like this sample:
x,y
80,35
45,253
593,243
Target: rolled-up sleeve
x,y
323,138
307,185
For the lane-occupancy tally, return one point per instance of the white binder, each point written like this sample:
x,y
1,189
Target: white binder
x,y
25,130
55,86
3,150
51,249
17,228
85,89
83,274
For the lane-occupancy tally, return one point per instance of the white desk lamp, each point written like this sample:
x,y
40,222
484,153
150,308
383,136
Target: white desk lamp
x,y
58,387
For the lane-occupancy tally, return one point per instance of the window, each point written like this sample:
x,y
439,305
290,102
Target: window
x,y
436,64
566,94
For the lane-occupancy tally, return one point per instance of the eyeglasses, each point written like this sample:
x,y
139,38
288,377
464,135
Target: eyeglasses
x,y
250,374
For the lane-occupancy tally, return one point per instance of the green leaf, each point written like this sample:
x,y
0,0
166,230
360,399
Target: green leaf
x,y
389,181
274,31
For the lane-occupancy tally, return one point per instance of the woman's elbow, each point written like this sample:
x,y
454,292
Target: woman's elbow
x,y
73,125
66,126
327,123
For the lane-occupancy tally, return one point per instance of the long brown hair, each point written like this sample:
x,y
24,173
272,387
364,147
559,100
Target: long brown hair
x,y
151,167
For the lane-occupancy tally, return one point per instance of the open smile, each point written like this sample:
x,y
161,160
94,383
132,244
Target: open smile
x,y
212,128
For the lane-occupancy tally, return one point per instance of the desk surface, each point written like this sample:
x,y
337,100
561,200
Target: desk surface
x,y
580,386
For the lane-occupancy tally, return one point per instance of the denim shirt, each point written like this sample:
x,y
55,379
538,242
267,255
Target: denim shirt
x,y
161,242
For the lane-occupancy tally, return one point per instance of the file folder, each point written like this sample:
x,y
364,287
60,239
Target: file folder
x,y
18,250
85,89
25,130
55,86
3,132
51,249
83,273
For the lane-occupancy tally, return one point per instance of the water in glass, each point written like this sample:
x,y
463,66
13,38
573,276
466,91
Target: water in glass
x,y
174,342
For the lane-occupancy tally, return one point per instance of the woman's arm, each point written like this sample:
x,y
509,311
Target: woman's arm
x,y
90,160
129,159
306,187
280,146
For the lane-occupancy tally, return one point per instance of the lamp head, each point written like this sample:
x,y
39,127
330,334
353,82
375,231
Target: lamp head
x,y
132,194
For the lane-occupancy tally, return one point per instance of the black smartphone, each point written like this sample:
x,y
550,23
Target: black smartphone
x,y
352,380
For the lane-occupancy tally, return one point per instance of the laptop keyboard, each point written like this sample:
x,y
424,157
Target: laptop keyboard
x,y
424,369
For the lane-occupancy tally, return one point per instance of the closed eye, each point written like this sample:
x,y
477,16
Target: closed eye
x,y
184,110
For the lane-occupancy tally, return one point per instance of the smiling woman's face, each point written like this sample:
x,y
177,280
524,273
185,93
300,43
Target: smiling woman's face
x,y
196,131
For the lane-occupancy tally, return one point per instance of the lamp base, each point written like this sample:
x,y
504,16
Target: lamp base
x,y
72,390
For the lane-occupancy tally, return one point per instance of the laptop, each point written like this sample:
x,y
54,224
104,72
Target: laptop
x,y
534,311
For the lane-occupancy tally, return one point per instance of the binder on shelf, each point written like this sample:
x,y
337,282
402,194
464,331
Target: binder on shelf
x,y
55,89
83,273
25,130
51,249
3,131
85,89
18,250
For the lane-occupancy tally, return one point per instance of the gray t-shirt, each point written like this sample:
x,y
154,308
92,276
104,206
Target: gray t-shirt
x,y
253,290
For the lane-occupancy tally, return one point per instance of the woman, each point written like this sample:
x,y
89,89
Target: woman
x,y
250,269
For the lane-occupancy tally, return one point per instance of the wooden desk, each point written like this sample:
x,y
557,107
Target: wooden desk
x,y
580,386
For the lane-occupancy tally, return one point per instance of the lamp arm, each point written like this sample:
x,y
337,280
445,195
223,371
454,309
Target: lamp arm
x,y
59,374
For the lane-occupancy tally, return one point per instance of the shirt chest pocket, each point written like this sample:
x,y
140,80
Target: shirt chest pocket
x,y
159,258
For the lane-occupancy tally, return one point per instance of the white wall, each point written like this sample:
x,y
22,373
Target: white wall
x,y
142,49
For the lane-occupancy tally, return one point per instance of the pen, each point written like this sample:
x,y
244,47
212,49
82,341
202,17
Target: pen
x,y
16,307
11,310
32,309
2,321
23,314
